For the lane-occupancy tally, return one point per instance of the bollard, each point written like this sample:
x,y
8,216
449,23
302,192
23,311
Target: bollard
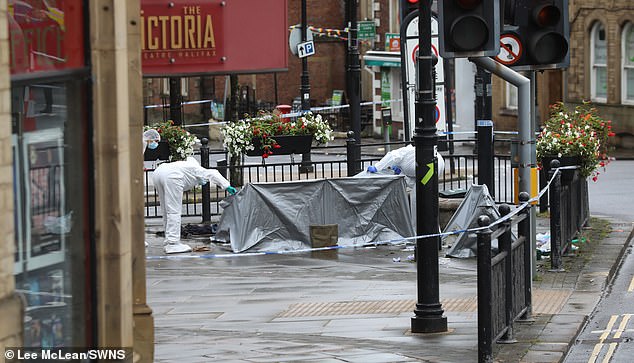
x,y
555,218
206,198
485,319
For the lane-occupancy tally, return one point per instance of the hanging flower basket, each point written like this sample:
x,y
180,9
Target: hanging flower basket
x,y
269,134
580,134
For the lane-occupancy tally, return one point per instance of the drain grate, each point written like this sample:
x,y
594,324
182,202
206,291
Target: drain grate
x,y
544,302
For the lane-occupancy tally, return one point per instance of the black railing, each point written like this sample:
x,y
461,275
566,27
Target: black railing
x,y
504,279
569,210
461,171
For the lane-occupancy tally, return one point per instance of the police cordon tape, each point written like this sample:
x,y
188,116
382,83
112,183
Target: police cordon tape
x,y
293,114
396,241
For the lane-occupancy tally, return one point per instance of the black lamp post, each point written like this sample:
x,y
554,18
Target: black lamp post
x,y
353,78
428,316
306,166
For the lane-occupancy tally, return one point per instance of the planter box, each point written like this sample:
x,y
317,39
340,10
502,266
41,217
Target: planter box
x,y
289,144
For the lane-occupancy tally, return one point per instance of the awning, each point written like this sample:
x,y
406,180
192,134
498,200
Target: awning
x,y
375,58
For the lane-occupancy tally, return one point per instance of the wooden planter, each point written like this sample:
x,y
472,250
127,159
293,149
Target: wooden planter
x,y
289,144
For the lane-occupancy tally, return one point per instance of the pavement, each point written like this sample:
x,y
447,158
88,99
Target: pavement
x,y
355,305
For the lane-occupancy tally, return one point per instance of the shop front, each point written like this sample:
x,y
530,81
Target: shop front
x,y
51,150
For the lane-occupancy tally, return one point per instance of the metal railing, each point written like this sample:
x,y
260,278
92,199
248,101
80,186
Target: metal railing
x,y
569,210
461,171
504,279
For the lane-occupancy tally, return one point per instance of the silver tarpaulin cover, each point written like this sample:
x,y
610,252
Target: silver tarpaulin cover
x,y
278,216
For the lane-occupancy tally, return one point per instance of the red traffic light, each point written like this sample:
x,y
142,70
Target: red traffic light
x,y
412,1
546,15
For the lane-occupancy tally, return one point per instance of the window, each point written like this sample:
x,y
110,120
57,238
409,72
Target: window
x,y
627,54
511,96
50,156
598,61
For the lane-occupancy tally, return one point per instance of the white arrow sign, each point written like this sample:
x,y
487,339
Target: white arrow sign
x,y
305,49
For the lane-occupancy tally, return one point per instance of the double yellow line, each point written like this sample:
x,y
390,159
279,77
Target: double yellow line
x,y
617,334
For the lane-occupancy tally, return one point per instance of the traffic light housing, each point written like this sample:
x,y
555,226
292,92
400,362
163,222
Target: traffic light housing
x,y
408,7
543,29
469,28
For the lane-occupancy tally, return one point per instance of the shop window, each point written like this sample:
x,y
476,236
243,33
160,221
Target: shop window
x,y
51,177
598,62
627,52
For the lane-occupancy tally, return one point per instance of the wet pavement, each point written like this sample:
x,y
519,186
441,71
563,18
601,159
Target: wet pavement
x,y
351,305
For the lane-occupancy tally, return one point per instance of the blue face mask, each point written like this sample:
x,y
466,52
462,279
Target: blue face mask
x,y
152,145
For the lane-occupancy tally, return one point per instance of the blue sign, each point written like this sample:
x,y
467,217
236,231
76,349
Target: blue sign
x,y
305,49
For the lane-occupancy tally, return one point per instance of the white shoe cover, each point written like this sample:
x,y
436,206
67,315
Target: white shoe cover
x,y
176,248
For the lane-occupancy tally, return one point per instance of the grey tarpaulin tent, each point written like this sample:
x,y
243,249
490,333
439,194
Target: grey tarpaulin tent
x,y
477,202
277,216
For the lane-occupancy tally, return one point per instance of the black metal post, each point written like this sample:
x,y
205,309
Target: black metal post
x,y
175,101
524,230
485,155
483,106
306,165
428,315
353,73
555,218
204,162
505,244
485,318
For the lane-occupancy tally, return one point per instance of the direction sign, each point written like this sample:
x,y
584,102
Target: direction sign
x,y
510,49
305,49
366,30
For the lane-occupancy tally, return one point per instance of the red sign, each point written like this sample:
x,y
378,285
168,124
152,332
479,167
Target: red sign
x,y
45,35
187,37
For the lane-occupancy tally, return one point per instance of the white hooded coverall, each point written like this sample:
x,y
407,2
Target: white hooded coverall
x,y
170,181
405,159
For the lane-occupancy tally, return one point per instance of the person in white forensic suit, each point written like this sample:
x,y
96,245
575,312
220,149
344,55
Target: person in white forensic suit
x,y
403,160
151,140
171,180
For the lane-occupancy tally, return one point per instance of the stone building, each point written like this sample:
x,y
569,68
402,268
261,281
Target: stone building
x,y
601,69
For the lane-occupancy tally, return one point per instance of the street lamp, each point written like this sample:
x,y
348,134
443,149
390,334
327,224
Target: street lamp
x,y
428,316
306,165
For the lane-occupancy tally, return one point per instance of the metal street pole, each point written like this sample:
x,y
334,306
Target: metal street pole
x,y
353,77
306,166
175,101
428,316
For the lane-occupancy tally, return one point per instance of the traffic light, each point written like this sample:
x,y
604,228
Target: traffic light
x,y
408,7
543,30
469,28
